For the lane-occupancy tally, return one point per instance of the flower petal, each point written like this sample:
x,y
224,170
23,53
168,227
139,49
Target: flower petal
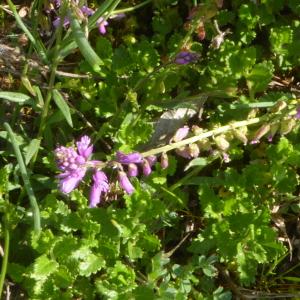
x,y
68,182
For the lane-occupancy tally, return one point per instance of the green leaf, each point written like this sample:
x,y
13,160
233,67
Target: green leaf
x,y
196,162
32,148
91,264
260,76
63,106
84,46
15,97
43,268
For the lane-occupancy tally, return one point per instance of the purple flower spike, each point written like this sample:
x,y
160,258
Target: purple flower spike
x,y
125,183
70,180
99,186
146,167
134,157
186,57
152,159
180,134
102,25
84,146
164,161
132,170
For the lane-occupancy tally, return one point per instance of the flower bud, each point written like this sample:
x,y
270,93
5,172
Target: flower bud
x,y
125,183
164,160
183,152
134,157
132,170
222,143
274,128
252,114
196,130
193,150
146,167
240,135
180,134
152,160
287,125
204,144
264,129
278,106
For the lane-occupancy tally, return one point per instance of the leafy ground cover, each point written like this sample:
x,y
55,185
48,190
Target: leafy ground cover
x,y
149,149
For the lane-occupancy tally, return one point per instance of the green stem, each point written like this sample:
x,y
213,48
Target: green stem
x,y
26,180
5,257
129,9
51,83
202,136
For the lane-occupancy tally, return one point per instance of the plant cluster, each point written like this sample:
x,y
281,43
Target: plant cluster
x,y
183,178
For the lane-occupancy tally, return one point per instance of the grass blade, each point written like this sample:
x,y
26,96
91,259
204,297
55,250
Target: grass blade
x,y
15,97
25,177
84,46
63,106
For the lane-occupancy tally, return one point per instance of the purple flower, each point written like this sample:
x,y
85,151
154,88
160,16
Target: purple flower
x,y
180,134
132,170
102,25
134,157
146,167
56,22
87,11
125,183
186,57
99,186
226,157
70,180
73,163
164,161
84,146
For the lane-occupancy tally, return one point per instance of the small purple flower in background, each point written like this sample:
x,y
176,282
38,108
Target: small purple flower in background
x,y
186,57
125,183
146,167
226,157
102,25
134,157
87,11
99,187
132,170
65,24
